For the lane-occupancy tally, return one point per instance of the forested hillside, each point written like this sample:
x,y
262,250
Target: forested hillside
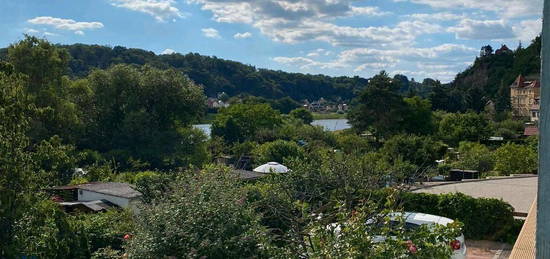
x,y
488,79
217,75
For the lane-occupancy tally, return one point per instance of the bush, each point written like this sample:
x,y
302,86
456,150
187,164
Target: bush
x,y
277,151
483,218
515,159
420,151
475,156
354,144
304,115
206,216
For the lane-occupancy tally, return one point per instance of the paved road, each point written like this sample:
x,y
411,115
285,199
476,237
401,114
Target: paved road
x,y
519,192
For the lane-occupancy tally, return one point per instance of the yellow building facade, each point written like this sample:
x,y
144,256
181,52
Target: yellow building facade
x,y
524,94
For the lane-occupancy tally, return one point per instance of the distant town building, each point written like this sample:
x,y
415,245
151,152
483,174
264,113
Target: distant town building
x,y
524,94
214,103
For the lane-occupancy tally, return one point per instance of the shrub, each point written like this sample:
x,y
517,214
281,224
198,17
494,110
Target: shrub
x,y
277,151
483,218
354,144
206,215
515,159
304,115
420,151
475,156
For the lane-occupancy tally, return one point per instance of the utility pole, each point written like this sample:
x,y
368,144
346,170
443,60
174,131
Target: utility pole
x,y
543,197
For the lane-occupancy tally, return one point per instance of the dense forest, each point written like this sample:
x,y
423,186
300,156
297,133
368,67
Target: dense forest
x,y
216,75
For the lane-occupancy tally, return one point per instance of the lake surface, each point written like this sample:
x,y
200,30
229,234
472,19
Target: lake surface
x,y
329,125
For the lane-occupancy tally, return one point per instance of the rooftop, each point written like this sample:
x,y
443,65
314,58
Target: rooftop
x,y
123,190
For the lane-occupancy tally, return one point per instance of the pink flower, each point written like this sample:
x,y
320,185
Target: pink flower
x,y
412,248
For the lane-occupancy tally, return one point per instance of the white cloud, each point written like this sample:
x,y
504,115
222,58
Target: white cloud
x,y
482,30
49,33
306,63
319,52
504,8
65,24
527,30
79,32
162,10
168,52
441,62
31,31
367,10
243,35
211,33
445,16
291,21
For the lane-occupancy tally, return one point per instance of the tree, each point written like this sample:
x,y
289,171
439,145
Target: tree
x,y
379,108
46,66
418,118
515,159
486,51
456,127
241,122
277,151
302,114
16,168
43,62
145,114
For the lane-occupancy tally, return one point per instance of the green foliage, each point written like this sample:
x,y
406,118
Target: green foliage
x,y
509,128
205,215
418,117
44,231
17,178
152,185
457,127
475,156
379,108
45,65
513,158
241,122
219,75
103,230
304,115
56,160
483,218
277,151
351,143
144,114
420,151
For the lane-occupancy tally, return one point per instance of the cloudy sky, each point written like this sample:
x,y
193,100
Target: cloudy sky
x,y
418,38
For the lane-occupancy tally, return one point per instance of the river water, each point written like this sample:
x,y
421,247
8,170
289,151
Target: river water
x,y
329,125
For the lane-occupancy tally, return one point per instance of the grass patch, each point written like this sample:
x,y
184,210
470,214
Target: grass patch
x,y
328,116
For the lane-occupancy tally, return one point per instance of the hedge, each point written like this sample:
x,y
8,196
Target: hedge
x,y
483,218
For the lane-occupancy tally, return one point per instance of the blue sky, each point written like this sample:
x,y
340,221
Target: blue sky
x,y
417,38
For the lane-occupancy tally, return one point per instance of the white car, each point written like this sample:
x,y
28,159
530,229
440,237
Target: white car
x,y
413,219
